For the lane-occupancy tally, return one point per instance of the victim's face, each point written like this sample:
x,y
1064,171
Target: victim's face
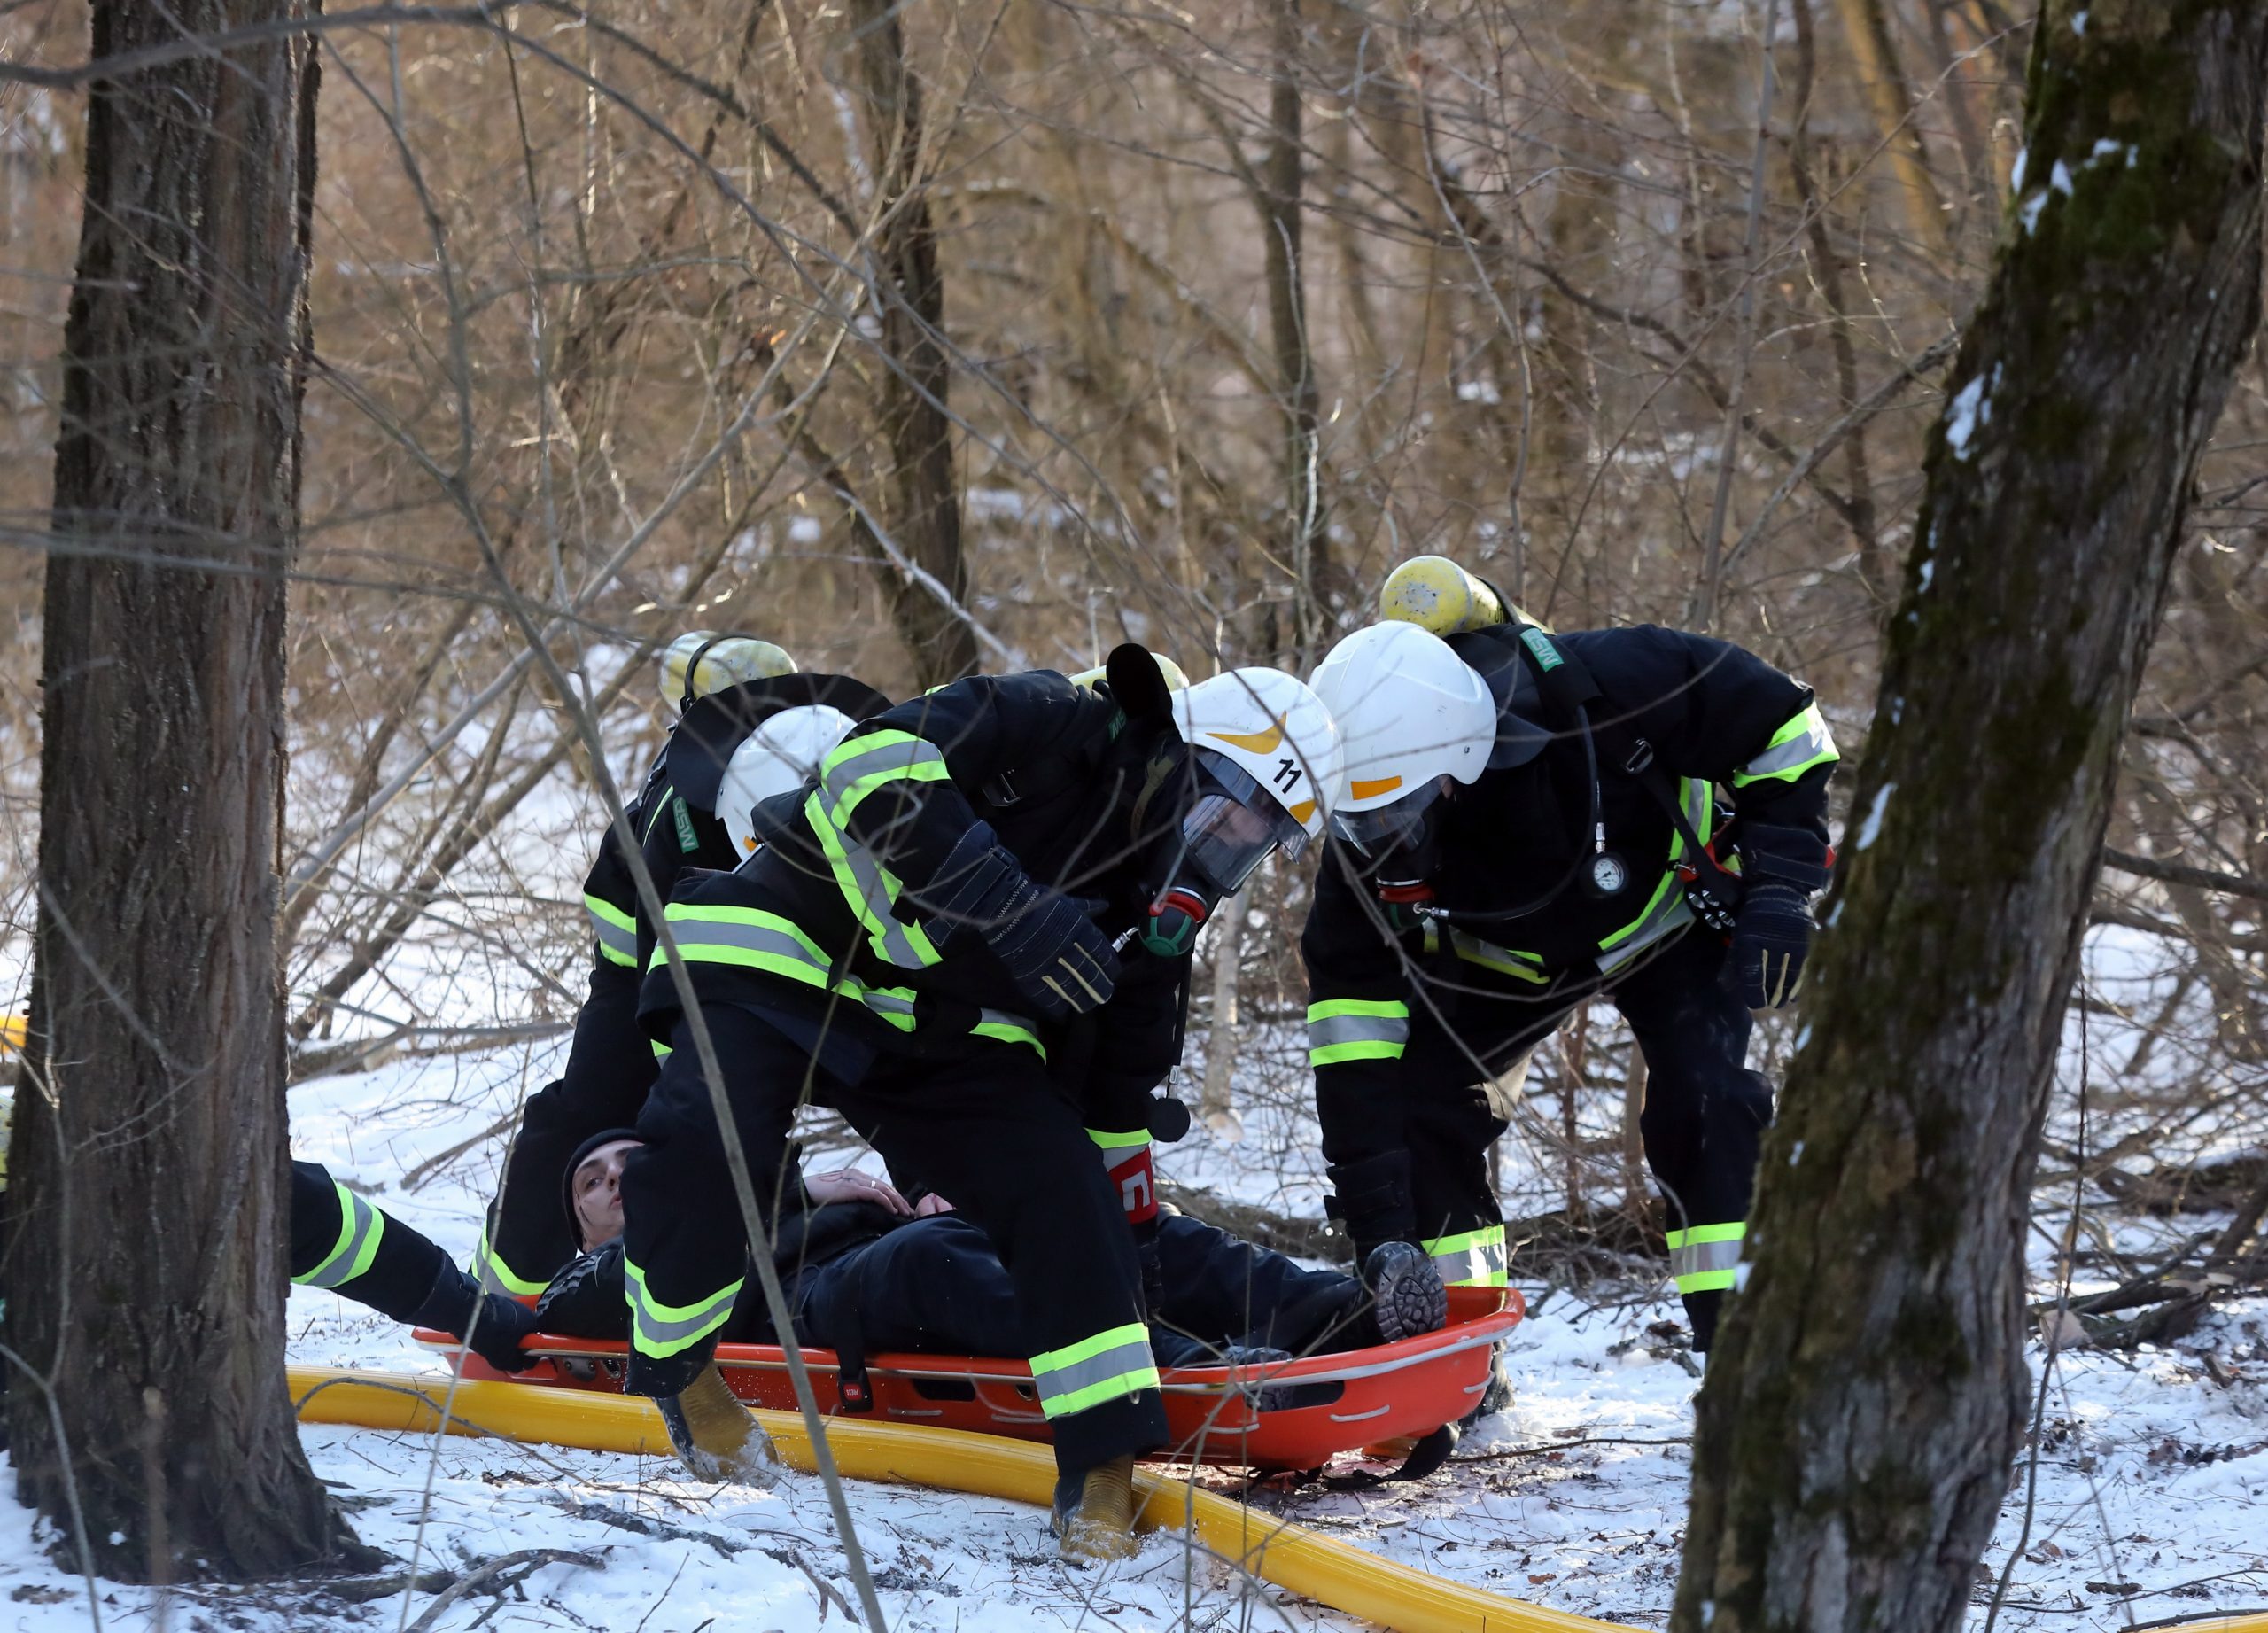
x,y
597,1189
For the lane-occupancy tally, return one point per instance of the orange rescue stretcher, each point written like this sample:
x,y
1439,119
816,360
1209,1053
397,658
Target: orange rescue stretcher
x,y
1291,1415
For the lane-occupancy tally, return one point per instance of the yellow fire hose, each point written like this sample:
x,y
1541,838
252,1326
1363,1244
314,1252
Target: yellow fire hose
x,y
1346,1578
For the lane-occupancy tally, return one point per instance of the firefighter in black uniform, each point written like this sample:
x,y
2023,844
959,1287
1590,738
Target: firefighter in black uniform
x,y
1531,820
963,872
773,726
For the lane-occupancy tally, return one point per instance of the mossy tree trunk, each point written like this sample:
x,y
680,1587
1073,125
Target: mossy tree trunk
x,y
147,1182
1867,1393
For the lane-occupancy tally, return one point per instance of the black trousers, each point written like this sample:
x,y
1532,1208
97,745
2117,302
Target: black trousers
x,y
610,1066
936,1284
1703,1119
980,1122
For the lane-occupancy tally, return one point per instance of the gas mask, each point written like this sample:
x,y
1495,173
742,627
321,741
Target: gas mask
x,y
1399,843
1229,829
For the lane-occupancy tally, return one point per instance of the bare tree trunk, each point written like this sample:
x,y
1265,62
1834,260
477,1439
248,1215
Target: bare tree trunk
x,y
1283,177
1574,1042
1214,1104
1866,28
1638,1195
1869,1389
1827,268
147,1198
924,515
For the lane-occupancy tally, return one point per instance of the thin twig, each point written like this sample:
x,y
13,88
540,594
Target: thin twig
x,y
464,1584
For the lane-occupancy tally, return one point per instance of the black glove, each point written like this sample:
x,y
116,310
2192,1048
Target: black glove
x,y
1046,941
496,1335
587,1299
450,1306
1772,931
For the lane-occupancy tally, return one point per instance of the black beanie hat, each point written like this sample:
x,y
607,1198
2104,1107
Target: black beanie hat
x,y
604,1137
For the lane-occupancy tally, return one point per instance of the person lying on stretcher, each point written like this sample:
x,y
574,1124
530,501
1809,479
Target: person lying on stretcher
x,y
865,1270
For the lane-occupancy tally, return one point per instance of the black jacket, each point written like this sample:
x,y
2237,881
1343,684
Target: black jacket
x,y
1083,796
1711,714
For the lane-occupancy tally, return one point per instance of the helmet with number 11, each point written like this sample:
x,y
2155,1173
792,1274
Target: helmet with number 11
x,y
1265,757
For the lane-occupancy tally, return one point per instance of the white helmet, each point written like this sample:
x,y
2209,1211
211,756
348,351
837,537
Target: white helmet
x,y
1266,750
781,754
1411,712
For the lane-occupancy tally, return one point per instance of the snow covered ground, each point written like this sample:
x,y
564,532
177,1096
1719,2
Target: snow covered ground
x,y
2151,1475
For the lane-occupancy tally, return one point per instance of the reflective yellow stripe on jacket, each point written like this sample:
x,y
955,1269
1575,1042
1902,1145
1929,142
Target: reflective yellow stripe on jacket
x,y
617,930
360,1228
1802,743
495,1276
754,938
847,776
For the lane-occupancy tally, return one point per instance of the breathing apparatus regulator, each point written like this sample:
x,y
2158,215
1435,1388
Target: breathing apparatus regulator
x,y
1261,755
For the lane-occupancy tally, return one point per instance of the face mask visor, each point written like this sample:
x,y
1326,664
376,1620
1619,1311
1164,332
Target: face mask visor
x,y
1233,826
1402,829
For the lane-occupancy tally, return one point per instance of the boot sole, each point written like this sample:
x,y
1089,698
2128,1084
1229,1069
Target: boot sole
x,y
1411,1301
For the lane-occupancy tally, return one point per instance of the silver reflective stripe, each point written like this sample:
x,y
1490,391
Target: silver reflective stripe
x,y
495,1275
359,1227
889,1003
1358,1029
1697,1257
1503,960
619,944
1700,806
664,1335
1671,914
841,780
1063,1383
1698,800
1471,1258
889,937
1808,744
693,934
